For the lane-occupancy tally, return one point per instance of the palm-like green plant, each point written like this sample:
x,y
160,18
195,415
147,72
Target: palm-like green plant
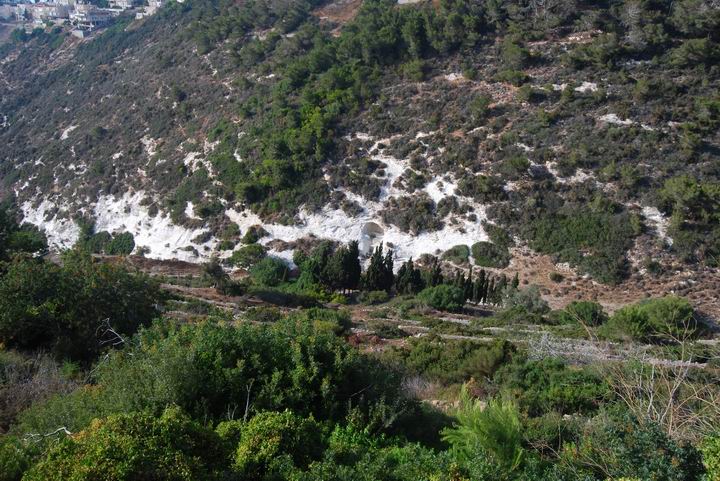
x,y
493,430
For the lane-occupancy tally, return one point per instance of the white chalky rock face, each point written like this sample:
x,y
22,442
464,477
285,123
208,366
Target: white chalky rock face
x,y
165,240
659,222
368,228
62,233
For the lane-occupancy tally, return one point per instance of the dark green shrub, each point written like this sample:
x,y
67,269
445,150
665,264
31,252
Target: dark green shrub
x,y
452,361
68,308
121,245
586,312
443,297
621,446
135,446
487,254
374,297
207,369
247,256
270,436
458,254
556,277
664,319
550,385
269,271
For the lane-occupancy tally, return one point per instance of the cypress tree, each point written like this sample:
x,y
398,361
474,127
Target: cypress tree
x,y
352,265
379,275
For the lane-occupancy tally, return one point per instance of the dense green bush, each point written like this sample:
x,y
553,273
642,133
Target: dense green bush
x,y
452,361
247,256
269,437
209,370
619,446
550,385
135,446
665,319
443,297
15,238
68,308
488,254
121,244
269,271
586,312
594,240
527,299
710,448
458,254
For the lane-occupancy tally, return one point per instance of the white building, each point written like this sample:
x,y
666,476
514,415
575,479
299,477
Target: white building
x,y
89,17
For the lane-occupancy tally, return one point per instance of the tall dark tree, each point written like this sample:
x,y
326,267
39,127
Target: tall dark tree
x,y
408,279
351,265
433,276
379,275
343,267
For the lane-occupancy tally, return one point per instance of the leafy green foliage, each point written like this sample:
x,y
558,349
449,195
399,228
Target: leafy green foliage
x,y
269,271
550,385
209,370
443,297
710,448
452,362
135,446
596,241
270,436
457,254
493,430
121,244
664,319
622,447
63,308
586,312
16,238
247,256
488,254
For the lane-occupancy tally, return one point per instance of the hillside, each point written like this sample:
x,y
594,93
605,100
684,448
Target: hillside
x,y
581,131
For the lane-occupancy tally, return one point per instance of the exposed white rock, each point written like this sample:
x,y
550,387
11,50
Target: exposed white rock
x,y
587,87
164,239
66,133
438,189
150,145
658,222
62,233
369,228
614,119
190,211
454,77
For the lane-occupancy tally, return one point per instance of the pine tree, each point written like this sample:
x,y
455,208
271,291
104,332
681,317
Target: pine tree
x,y
516,281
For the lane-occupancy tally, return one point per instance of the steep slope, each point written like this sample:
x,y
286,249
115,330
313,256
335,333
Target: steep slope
x,y
586,131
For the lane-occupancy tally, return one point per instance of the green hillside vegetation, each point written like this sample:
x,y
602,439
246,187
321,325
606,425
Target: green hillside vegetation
x,y
293,90
94,385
